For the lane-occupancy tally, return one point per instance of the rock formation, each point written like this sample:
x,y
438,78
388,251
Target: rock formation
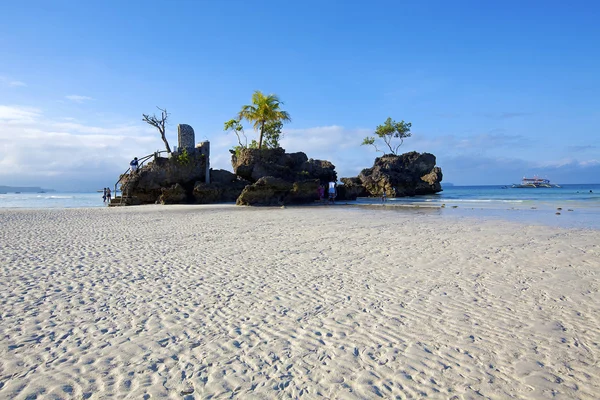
x,y
270,177
280,178
223,187
253,164
408,174
350,189
166,180
271,191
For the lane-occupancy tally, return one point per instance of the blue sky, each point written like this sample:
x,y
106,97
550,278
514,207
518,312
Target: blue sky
x,y
495,89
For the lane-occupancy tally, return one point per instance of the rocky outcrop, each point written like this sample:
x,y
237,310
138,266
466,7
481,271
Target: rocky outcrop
x,y
280,178
175,194
267,191
253,164
322,170
223,187
350,189
408,174
273,177
303,192
156,181
263,177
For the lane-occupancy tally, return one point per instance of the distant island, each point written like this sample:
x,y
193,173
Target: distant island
x,y
447,184
23,189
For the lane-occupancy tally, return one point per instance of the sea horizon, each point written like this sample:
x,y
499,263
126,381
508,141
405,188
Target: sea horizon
x,y
570,206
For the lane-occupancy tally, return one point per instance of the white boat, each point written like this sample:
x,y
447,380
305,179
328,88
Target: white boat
x,y
535,182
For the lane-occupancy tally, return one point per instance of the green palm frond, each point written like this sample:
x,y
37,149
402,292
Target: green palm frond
x,y
264,109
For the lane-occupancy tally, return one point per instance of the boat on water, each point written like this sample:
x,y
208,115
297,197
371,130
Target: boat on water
x,y
535,182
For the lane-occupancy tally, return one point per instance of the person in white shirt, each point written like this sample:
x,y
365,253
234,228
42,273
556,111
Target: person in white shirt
x,y
332,191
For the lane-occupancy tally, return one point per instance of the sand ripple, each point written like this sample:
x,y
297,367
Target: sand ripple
x,y
221,302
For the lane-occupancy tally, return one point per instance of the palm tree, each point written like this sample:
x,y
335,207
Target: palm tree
x,y
264,109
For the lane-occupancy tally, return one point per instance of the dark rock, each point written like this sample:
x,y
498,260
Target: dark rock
x,y
280,177
253,164
173,195
350,189
267,191
148,182
303,192
223,187
408,174
322,170
222,176
208,193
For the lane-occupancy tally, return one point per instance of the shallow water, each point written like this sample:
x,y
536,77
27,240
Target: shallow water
x,y
572,206
579,208
51,200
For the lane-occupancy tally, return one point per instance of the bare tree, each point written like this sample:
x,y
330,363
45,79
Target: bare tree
x,y
159,123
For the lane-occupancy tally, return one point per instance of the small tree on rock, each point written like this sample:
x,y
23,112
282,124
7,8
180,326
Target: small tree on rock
x,y
159,123
389,131
235,126
273,134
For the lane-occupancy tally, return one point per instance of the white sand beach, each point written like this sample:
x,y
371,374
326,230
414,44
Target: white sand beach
x,y
199,302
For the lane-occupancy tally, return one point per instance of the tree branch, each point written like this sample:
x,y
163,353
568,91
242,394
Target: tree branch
x,y
159,124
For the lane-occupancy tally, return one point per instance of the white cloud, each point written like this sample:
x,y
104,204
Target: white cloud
x,y
77,98
18,115
65,153
333,143
11,82
570,162
43,152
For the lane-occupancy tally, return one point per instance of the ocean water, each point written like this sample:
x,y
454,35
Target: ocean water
x,y
579,204
576,206
51,200
502,196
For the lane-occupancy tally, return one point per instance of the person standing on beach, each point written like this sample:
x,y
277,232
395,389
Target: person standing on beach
x,y
108,195
383,196
332,192
321,192
104,196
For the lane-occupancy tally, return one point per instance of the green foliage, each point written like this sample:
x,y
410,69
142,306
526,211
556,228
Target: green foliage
x,y
264,110
389,131
236,127
236,149
273,134
184,158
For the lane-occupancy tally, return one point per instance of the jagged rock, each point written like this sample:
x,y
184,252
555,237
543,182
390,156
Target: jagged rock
x,y
408,174
253,164
303,192
350,189
148,182
280,177
222,176
267,191
322,170
173,195
208,193
223,187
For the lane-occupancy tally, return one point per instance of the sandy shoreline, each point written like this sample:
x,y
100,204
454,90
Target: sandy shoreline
x,y
332,302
